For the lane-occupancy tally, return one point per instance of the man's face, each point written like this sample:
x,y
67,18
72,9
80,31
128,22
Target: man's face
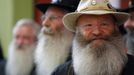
x,y
95,29
52,20
129,24
96,44
24,36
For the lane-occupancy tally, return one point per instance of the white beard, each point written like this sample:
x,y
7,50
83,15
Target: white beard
x,y
106,60
130,41
51,52
20,62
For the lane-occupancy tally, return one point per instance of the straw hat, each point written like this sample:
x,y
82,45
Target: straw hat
x,y
70,5
93,7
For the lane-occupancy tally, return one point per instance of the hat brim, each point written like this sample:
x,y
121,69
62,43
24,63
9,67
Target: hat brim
x,y
129,9
69,20
44,7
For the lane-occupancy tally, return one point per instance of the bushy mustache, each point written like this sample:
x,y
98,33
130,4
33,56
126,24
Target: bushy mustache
x,y
21,47
46,30
85,41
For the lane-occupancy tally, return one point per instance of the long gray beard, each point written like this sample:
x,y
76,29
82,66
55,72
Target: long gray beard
x,y
20,61
51,52
130,41
107,59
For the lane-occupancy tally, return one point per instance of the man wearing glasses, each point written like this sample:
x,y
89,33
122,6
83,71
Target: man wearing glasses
x,y
54,41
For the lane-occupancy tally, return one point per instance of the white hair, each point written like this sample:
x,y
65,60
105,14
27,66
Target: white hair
x,y
27,22
129,39
52,51
20,62
108,58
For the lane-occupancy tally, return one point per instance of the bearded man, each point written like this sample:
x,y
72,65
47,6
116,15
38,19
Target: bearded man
x,y
129,26
21,50
55,41
98,46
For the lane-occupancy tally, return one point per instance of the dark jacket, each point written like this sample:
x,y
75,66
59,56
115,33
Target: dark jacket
x,y
1,53
67,68
2,67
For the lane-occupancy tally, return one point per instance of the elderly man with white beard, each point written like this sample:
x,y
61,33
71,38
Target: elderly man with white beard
x,y
98,46
55,41
21,50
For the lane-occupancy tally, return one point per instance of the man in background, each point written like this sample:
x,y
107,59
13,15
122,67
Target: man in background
x,y
55,41
129,26
21,49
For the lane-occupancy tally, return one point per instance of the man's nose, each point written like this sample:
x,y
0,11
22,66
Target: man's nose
x,y
20,41
96,31
46,22
128,24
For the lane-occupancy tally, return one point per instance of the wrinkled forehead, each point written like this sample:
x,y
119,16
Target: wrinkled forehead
x,y
103,17
24,30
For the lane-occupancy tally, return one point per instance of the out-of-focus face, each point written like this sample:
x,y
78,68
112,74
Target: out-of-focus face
x,y
24,36
129,24
95,29
52,20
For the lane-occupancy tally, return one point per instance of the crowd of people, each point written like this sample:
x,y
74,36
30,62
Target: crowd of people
x,y
77,37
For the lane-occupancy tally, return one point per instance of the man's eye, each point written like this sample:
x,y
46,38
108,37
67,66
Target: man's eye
x,y
88,25
104,24
16,37
53,17
43,17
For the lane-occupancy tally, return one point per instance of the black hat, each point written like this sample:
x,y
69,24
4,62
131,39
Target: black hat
x,y
70,5
129,9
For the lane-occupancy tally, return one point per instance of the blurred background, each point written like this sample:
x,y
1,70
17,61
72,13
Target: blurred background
x,y
13,10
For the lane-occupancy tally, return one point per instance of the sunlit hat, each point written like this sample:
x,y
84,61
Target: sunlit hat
x,y
70,5
93,7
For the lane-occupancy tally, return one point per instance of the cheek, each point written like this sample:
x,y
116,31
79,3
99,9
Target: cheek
x,y
57,25
133,24
17,42
108,32
29,41
86,34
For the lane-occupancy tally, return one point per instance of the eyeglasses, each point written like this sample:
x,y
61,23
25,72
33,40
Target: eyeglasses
x,y
51,17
